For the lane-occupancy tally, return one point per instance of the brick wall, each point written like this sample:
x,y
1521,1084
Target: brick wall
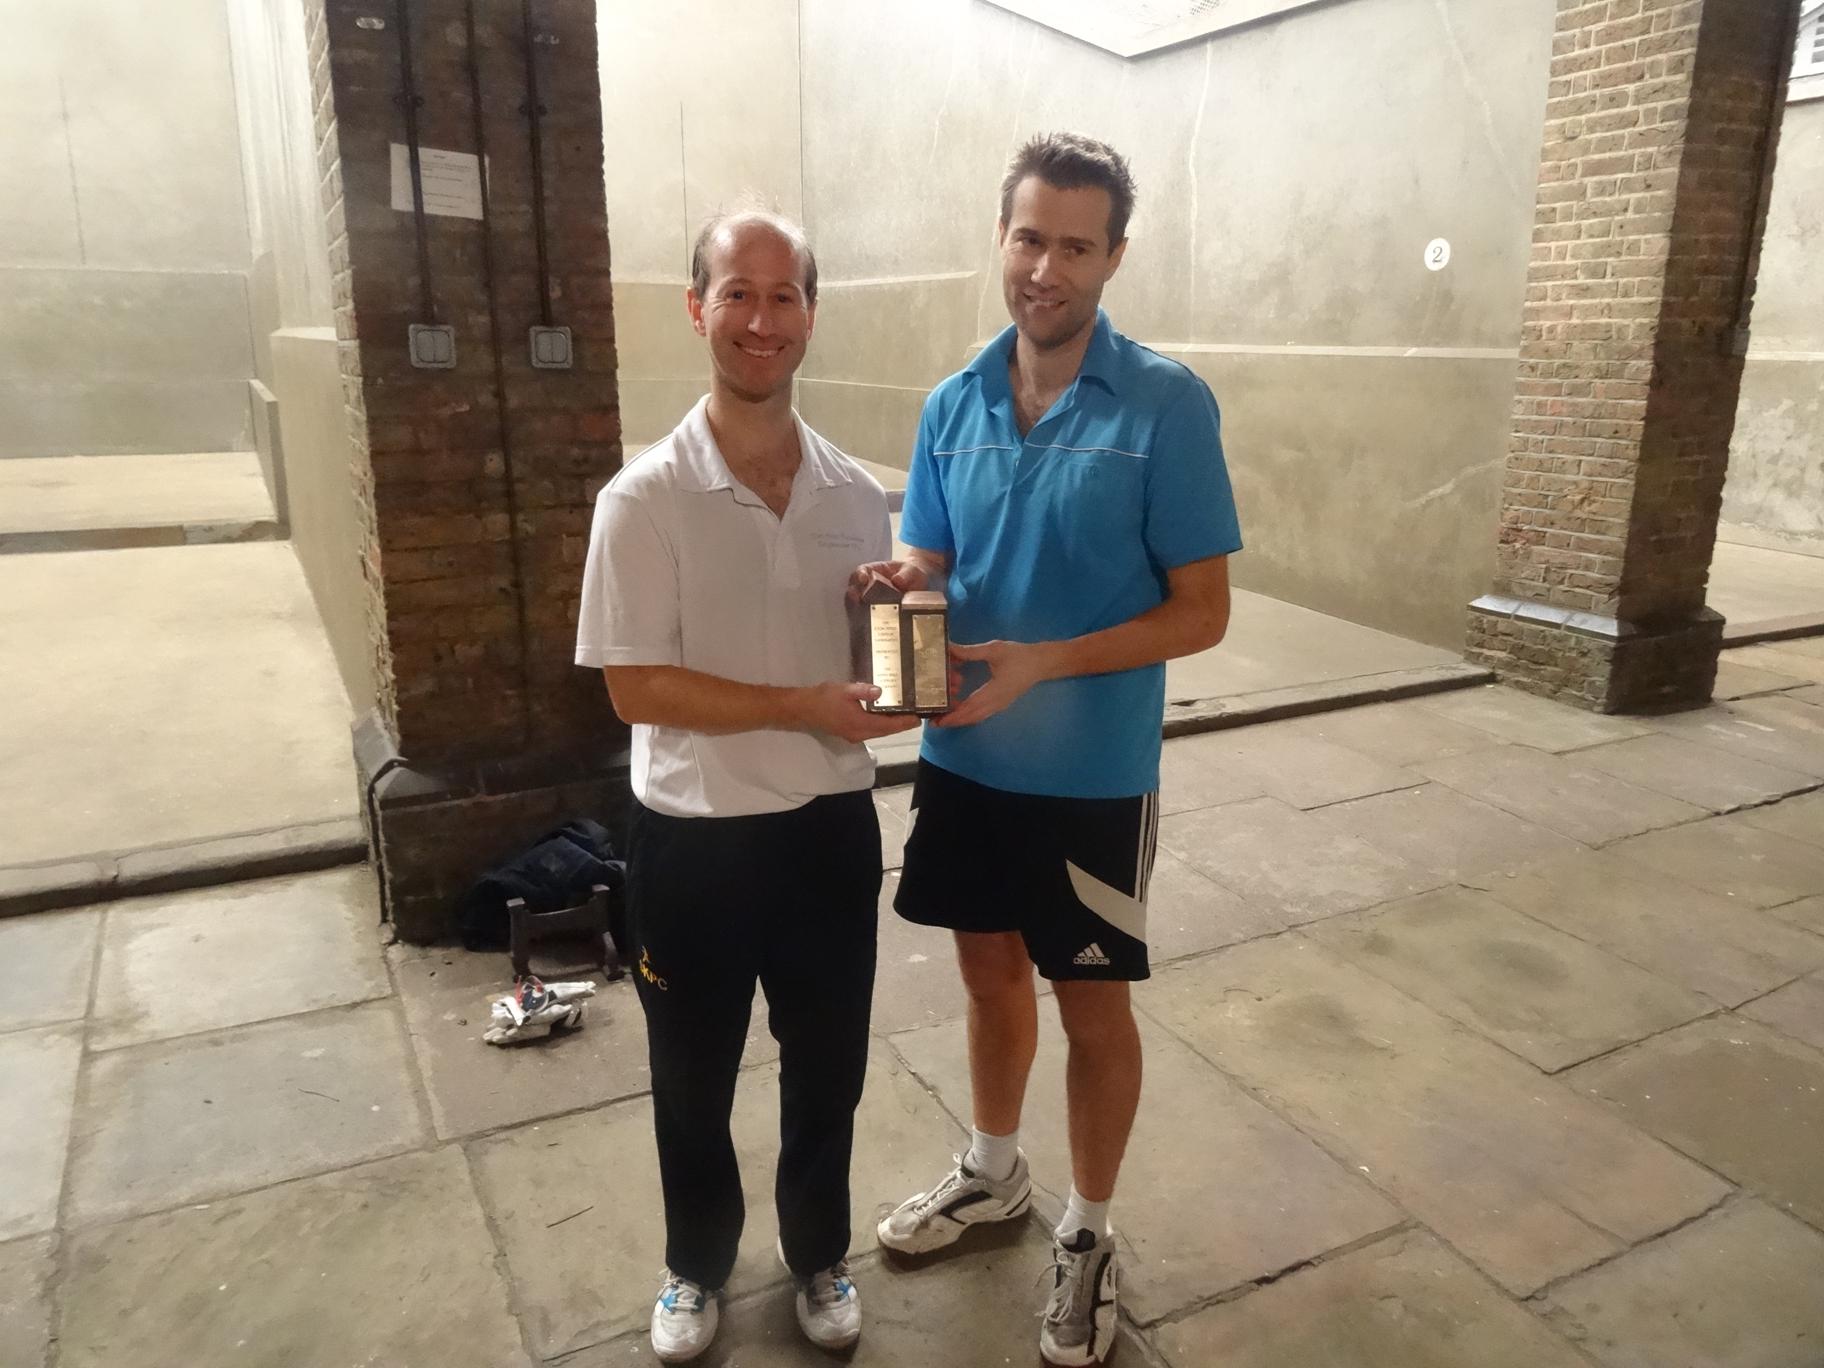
x,y
474,575
475,484
1706,287
1650,175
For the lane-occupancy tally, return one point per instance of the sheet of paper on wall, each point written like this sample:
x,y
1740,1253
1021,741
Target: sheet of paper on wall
x,y
452,181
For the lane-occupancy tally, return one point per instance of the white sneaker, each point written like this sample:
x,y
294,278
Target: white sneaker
x,y
1079,1326
931,1220
829,1305
683,1319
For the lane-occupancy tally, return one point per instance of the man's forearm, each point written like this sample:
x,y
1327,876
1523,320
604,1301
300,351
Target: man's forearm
x,y
935,564
1193,618
1177,627
691,700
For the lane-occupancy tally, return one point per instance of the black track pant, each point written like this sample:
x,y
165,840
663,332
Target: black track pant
x,y
789,900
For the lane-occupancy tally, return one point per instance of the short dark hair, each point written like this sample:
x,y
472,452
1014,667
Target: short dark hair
x,y
779,223
1071,161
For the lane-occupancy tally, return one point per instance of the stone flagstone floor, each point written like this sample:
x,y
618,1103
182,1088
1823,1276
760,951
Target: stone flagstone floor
x,y
1484,1032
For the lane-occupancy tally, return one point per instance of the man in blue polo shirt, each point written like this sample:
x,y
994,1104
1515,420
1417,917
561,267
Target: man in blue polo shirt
x,y
1069,486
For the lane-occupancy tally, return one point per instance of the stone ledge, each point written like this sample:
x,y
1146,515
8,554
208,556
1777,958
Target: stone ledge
x,y
1773,629
1303,700
1272,705
195,864
124,538
1597,625
1596,662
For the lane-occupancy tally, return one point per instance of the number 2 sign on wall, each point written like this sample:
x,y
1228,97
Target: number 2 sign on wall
x,y
1437,254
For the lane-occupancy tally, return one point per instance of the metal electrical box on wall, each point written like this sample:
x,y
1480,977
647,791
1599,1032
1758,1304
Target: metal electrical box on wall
x,y
550,347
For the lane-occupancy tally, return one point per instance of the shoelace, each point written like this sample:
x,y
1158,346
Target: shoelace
x,y
940,1194
1067,1309
830,1287
680,1294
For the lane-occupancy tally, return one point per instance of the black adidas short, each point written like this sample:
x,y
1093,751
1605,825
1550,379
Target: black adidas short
x,y
1069,874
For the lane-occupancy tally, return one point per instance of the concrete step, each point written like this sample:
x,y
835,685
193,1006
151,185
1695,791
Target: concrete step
x,y
166,703
98,503
1766,594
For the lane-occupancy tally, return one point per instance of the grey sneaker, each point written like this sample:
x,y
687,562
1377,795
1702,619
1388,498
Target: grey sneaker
x,y
829,1305
1079,1327
683,1319
931,1220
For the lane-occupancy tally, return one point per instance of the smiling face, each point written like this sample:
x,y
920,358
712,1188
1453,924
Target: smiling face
x,y
753,310
1055,259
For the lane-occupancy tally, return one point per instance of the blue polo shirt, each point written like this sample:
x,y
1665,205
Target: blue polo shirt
x,y
1063,532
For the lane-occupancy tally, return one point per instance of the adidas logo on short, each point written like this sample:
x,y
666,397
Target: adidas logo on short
x,y
1091,954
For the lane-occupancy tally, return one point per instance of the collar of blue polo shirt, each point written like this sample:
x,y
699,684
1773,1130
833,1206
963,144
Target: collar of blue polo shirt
x,y
900,643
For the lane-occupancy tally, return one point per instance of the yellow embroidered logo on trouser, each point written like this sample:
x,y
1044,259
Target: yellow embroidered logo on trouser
x,y
647,973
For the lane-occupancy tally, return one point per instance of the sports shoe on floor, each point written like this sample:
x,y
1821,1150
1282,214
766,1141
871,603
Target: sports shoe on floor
x,y
1079,1327
683,1319
829,1305
931,1220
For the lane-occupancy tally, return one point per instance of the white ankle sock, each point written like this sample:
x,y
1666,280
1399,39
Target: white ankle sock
x,y
1083,1215
993,1156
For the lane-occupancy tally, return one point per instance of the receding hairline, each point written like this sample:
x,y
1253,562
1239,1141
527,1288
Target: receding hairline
x,y
721,230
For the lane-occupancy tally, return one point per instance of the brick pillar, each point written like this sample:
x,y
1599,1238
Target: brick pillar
x,y
474,484
1657,159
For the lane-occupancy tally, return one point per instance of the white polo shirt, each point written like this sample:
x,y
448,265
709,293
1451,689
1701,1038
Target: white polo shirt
x,y
687,566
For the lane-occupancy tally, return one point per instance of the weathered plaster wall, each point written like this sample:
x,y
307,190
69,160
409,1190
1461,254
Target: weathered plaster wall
x,y
123,231
1776,461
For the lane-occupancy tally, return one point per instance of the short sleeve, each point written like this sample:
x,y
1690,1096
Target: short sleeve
x,y
1190,509
629,613
924,520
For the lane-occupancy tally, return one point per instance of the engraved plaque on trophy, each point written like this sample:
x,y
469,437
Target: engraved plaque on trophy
x,y
900,643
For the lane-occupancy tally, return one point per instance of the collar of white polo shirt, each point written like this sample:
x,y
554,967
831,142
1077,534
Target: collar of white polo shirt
x,y
702,469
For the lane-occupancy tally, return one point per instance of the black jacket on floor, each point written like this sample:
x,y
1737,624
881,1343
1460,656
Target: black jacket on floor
x,y
558,871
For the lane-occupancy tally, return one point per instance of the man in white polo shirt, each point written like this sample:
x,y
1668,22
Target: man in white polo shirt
x,y
713,601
